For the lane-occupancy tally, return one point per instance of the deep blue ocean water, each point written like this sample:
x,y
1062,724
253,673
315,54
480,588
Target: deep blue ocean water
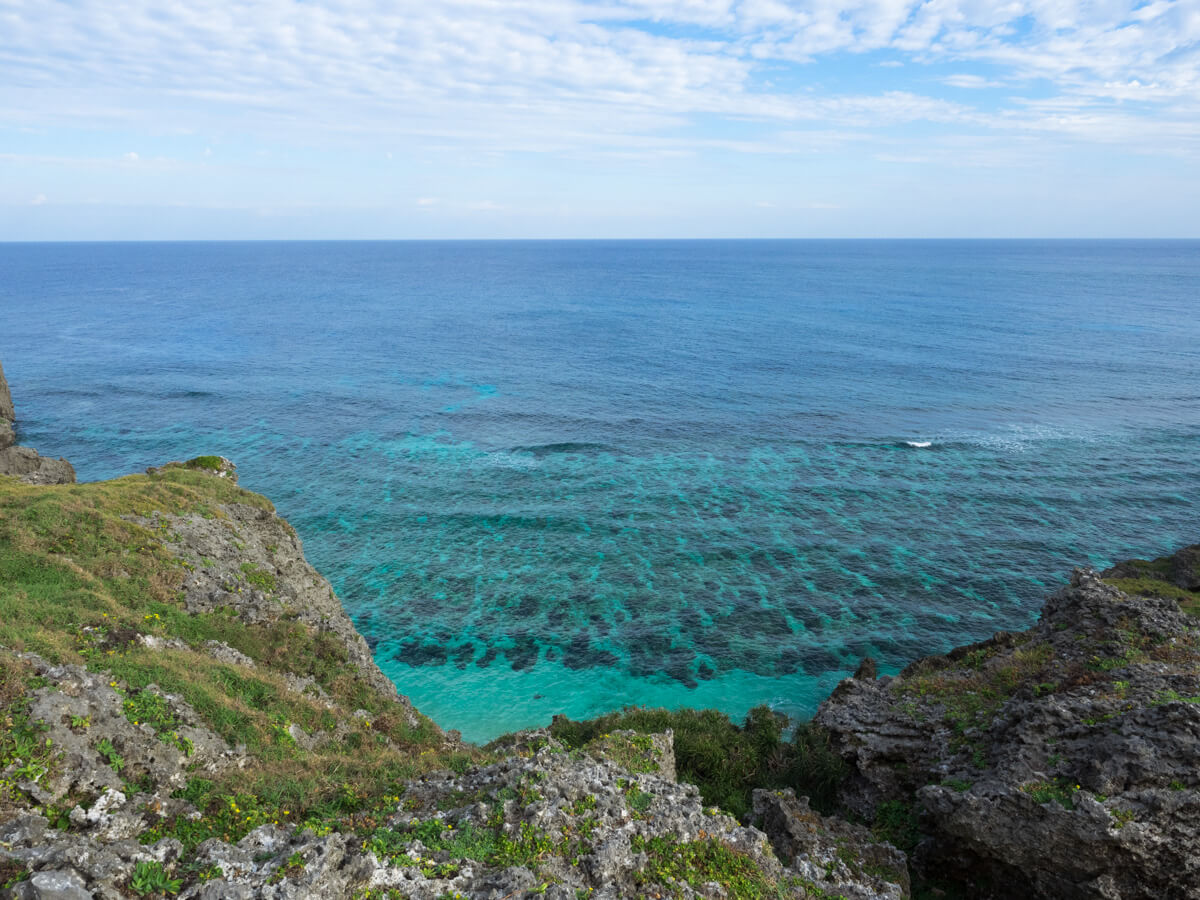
x,y
563,477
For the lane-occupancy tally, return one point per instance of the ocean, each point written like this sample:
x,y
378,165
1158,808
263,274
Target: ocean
x,y
565,477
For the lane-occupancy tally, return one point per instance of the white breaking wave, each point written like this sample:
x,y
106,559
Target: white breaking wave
x,y
919,443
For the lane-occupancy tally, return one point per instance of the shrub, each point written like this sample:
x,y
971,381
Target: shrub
x,y
725,761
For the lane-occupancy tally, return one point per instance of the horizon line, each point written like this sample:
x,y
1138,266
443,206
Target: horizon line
x,y
579,240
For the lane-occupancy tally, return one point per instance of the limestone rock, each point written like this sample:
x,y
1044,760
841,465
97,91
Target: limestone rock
x,y
837,857
64,884
7,414
24,462
1063,762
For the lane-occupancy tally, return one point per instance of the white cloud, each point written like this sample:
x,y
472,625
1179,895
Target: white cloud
x,y
970,82
38,200
470,85
423,66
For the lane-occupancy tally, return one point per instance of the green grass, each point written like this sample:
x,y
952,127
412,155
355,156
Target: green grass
x,y
256,577
212,463
1058,791
672,863
79,583
727,761
1149,586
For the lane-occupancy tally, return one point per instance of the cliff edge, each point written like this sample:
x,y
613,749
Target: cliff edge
x,y
1060,762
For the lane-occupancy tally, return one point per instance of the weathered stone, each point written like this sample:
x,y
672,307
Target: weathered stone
x,y
66,884
7,413
25,463
840,858
1058,763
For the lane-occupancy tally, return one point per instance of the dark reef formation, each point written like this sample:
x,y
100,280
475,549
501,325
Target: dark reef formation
x,y
189,711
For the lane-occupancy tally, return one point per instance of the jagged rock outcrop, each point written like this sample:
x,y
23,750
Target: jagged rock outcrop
x,y
840,858
1062,762
24,462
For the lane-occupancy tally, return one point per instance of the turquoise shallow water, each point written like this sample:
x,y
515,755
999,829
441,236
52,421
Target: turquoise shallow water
x,y
566,477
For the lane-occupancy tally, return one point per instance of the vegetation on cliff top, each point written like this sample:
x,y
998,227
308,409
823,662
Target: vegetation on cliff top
x,y
81,583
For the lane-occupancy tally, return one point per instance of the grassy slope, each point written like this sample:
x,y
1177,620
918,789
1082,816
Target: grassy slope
x,y
79,584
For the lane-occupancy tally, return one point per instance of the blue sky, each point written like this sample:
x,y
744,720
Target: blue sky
x,y
629,118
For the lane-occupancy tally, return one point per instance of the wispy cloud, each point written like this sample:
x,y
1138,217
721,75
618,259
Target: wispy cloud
x,y
465,84
424,67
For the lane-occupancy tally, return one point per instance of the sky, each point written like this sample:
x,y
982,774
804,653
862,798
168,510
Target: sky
x,y
349,119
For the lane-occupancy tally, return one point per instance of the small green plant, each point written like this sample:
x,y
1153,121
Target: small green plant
x,y
150,878
1121,817
583,804
1172,697
259,578
81,722
211,463
115,760
1058,791
148,708
959,784
639,801
291,867
897,823
671,863
12,873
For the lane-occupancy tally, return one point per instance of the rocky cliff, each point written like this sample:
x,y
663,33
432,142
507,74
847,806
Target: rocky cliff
x,y
1060,762
24,462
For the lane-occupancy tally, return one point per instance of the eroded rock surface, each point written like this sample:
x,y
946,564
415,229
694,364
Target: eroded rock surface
x,y
600,822
1062,762
7,413
251,562
24,462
